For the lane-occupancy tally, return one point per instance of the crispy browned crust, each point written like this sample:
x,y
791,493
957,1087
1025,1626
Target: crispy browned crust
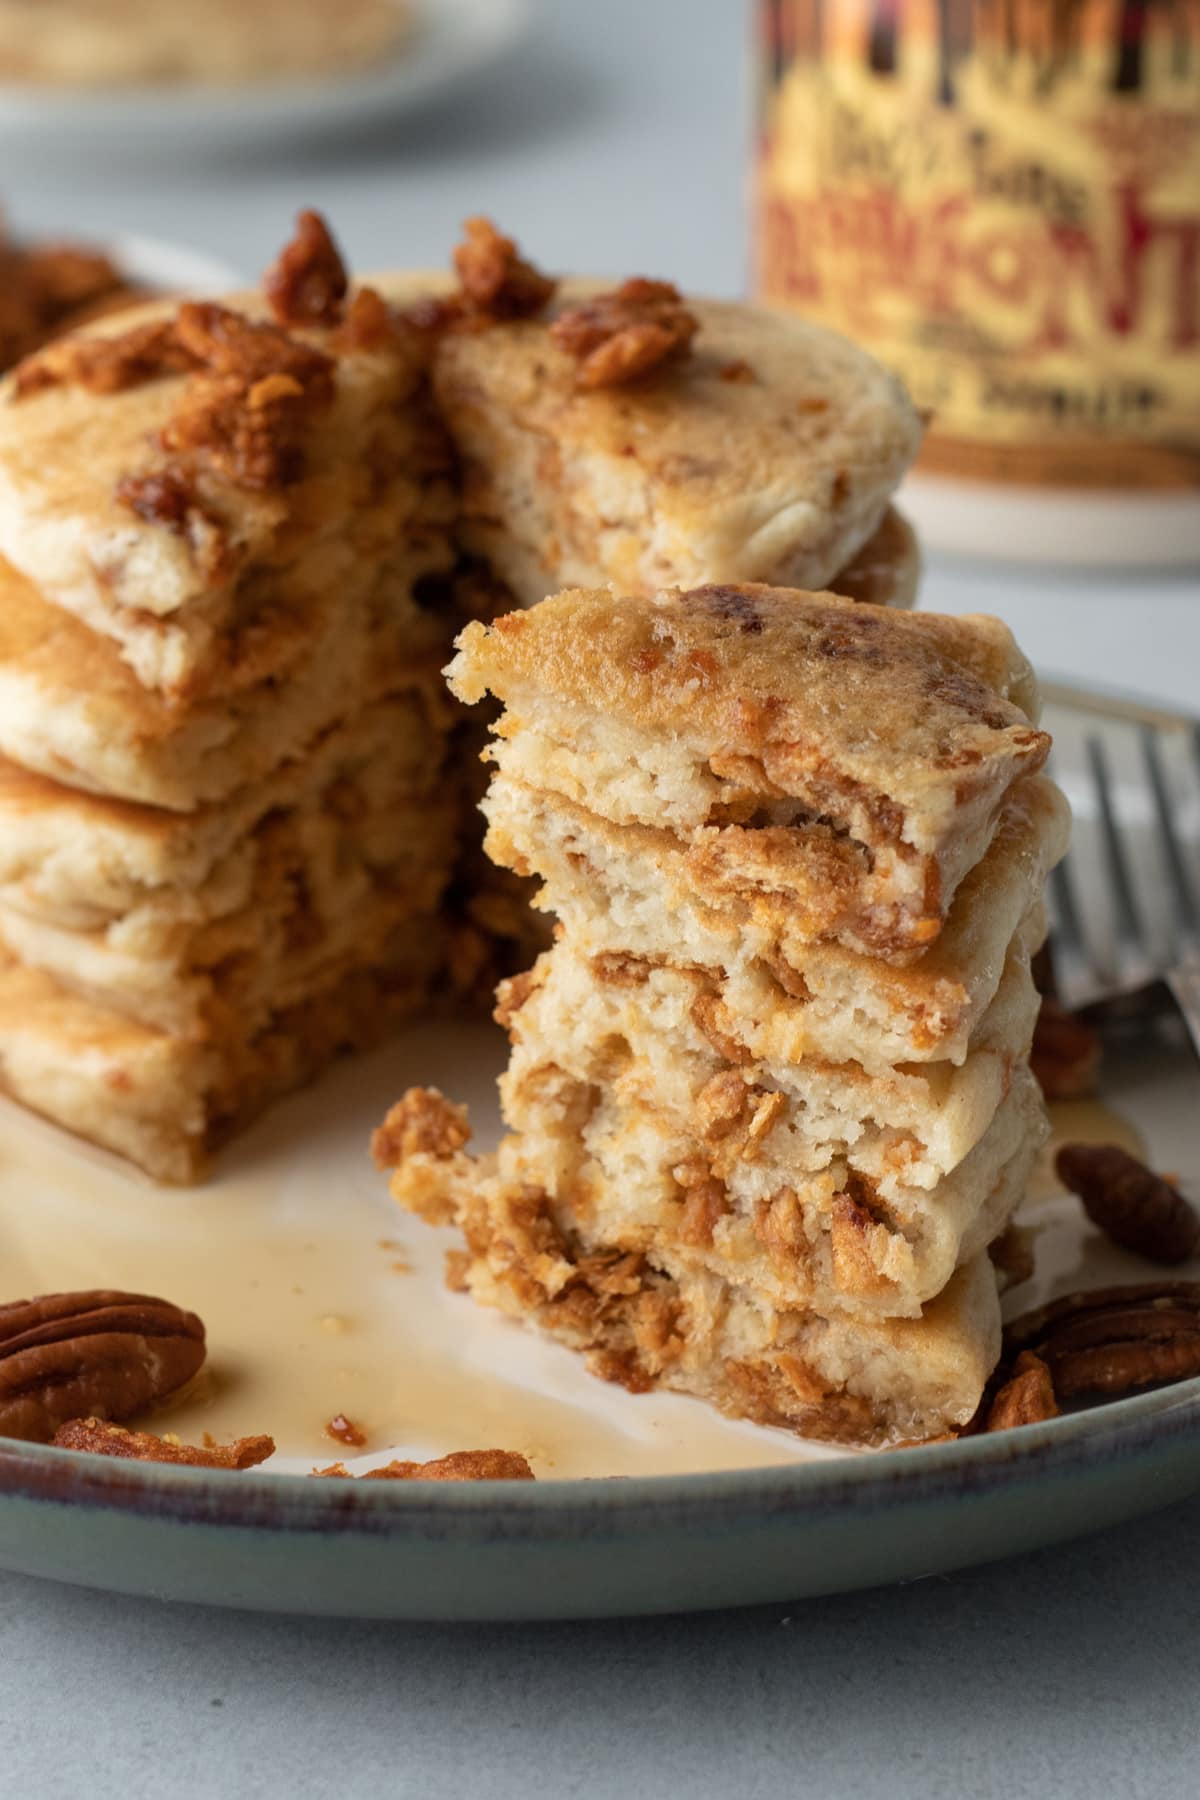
x,y
769,674
99,1438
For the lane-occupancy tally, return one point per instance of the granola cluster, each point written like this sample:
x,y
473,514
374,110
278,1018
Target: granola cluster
x,y
460,1465
97,1437
100,1438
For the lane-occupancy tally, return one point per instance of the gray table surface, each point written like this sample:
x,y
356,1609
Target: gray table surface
x,y
615,142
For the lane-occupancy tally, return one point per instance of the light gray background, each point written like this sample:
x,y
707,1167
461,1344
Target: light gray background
x,y
615,142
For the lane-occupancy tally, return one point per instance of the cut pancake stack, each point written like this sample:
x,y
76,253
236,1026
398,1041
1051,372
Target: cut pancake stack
x,y
769,1100
237,822
222,851
762,449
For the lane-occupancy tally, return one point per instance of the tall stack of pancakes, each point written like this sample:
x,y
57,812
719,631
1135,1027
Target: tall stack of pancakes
x,y
769,1097
235,543
221,849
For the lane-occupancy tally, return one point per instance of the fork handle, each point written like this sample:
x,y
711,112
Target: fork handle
x,y
1184,983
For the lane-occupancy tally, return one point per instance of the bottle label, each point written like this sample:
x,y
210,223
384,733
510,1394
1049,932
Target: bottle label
x,y
1001,199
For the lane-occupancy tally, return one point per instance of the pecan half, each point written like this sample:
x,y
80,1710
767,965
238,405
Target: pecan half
x,y
100,1352
620,336
460,1465
1066,1053
1132,1205
102,1439
1110,1341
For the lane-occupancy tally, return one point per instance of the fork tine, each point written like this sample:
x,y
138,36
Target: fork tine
x,y
1128,917
1067,922
1186,911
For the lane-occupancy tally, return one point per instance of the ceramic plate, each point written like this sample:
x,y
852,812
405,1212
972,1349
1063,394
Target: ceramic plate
x,y
320,1299
451,39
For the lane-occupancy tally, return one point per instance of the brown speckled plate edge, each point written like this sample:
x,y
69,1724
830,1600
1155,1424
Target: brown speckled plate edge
x,y
560,1549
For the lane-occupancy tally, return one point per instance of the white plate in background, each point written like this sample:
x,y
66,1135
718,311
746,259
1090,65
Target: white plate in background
x,y
175,268
449,41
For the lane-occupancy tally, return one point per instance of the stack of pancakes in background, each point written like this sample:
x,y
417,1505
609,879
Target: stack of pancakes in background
x,y
769,1097
236,834
221,853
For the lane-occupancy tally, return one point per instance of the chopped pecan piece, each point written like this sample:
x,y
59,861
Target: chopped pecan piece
x,y
106,363
103,1439
1066,1053
496,279
247,410
161,498
1136,1208
369,324
422,1121
1026,1398
1012,1255
168,497
1110,1341
307,282
622,335
96,1352
48,288
460,1465
345,1431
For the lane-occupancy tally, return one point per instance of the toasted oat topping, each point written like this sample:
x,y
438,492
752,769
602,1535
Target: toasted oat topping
x,y
460,1465
103,1439
307,283
423,1121
622,335
496,279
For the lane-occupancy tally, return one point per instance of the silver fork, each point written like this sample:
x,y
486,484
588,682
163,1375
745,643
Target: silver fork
x,y
1125,903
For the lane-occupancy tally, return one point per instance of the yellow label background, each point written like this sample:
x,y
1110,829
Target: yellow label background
x,y
1008,212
